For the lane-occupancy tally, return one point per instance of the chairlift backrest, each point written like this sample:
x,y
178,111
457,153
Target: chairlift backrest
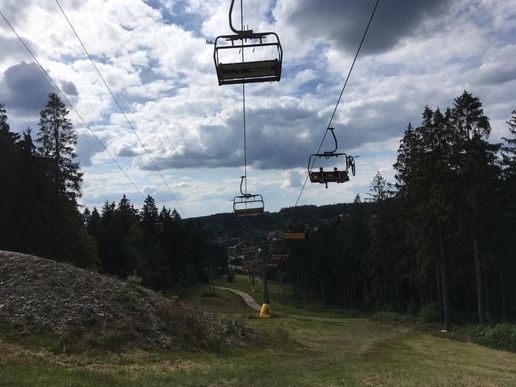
x,y
289,235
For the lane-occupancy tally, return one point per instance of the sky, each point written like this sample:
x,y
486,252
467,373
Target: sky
x,y
155,58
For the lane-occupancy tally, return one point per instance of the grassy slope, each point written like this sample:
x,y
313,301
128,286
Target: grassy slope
x,y
346,352
278,302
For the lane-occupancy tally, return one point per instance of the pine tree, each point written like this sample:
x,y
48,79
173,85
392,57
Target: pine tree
x,y
8,156
424,176
149,212
476,159
57,141
506,230
509,149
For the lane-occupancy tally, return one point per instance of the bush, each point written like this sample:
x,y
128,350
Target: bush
x,y
217,334
134,279
430,313
230,277
498,336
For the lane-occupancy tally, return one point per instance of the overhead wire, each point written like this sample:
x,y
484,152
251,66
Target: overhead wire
x,y
243,101
54,83
120,108
336,105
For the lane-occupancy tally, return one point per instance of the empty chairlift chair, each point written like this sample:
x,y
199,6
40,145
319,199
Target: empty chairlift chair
x,y
229,56
295,232
247,204
334,175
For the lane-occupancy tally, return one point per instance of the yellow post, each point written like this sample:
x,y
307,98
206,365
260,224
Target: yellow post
x,y
265,311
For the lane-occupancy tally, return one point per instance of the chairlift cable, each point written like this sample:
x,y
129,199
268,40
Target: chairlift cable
x,y
337,104
243,100
120,108
72,106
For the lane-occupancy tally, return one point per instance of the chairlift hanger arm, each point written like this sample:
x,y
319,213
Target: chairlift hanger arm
x,y
244,194
332,130
238,32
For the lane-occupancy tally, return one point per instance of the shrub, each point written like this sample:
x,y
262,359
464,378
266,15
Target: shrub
x,y
230,277
134,279
499,336
217,334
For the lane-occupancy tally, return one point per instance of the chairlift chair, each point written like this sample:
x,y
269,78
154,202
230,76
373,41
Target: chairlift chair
x,y
248,249
295,232
290,235
231,72
248,204
330,176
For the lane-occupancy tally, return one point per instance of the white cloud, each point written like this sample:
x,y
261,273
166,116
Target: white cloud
x,y
154,57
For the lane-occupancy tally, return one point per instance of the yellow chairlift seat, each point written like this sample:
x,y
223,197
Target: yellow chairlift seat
x,y
248,250
288,235
247,204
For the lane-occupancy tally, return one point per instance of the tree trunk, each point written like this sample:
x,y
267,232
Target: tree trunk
x,y
478,275
366,295
486,300
439,296
323,292
444,283
502,294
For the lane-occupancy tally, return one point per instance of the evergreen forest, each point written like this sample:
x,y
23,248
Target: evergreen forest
x,y
439,240
40,185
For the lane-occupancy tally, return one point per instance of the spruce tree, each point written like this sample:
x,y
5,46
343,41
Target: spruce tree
x,y
476,160
8,157
57,141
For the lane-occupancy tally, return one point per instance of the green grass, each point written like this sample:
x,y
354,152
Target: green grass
x,y
297,351
280,303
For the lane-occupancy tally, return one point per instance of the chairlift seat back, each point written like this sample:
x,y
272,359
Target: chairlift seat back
x,y
293,235
243,212
324,177
249,72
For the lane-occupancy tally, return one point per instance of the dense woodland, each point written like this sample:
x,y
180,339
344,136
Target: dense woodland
x,y
442,237
439,239
40,185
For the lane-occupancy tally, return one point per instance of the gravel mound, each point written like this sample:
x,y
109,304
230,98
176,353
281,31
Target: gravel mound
x,y
49,297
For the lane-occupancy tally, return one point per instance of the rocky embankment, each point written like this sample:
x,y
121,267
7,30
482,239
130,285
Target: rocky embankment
x,y
48,297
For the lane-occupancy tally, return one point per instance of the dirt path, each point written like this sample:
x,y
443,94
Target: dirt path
x,y
250,302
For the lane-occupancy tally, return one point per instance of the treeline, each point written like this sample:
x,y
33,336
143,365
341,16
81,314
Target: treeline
x,y
441,238
157,247
39,214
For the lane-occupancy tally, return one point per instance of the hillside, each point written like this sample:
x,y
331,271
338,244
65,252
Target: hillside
x,y
47,297
227,225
